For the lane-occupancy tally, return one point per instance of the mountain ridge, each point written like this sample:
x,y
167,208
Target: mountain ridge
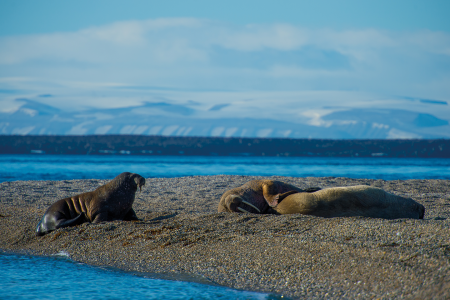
x,y
224,120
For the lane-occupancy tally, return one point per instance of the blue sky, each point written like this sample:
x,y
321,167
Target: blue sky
x,y
47,16
98,53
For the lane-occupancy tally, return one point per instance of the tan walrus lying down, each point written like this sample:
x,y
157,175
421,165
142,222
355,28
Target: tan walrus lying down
x,y
360,200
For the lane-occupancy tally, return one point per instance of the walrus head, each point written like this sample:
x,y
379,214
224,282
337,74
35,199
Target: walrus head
x,y
132,179
139,180
236,203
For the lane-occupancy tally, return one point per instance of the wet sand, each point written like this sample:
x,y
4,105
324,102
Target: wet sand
x,y
181,236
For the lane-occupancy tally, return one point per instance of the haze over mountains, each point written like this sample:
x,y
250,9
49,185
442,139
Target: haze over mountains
x,y
239,114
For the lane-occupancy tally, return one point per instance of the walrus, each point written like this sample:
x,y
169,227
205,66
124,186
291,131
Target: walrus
x,y
359,200
109,202
257,196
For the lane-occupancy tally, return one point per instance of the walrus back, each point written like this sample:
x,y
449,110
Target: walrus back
x,y
77,205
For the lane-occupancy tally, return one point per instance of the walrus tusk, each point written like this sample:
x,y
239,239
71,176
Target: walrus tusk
x,y
243,210
243,201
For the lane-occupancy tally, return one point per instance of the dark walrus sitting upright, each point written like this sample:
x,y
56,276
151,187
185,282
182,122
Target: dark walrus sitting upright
x,y
112,201
256,196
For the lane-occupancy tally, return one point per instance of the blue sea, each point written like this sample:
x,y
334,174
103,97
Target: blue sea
x,y
33,277
65,167
30,277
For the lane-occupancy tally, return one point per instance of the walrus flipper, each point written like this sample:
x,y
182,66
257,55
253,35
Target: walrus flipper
x,y
50,223
80,219
274,200
130,216
45,226
312,189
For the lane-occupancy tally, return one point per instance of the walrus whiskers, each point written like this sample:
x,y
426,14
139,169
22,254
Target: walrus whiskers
x,y
243,210
243,201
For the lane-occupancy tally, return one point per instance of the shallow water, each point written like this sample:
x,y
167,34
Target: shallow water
x,y
33,277
64,167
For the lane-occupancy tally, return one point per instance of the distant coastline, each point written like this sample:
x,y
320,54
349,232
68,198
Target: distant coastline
x,y
208,146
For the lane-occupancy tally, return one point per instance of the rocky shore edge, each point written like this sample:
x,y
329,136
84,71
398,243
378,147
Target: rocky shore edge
x,y
181,236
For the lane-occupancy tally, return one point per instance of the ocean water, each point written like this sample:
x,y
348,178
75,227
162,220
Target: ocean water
x,y
33,277
30,277
64,167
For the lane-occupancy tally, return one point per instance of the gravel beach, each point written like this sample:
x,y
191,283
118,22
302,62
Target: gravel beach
x,y
181,236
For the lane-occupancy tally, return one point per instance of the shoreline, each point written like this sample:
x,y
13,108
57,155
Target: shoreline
x,y
180,233
154,145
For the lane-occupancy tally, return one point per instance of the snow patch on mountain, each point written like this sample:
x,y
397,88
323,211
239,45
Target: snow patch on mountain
x,y
238,118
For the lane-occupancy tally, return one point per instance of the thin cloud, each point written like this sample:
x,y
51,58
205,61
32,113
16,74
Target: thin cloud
x,y
202,54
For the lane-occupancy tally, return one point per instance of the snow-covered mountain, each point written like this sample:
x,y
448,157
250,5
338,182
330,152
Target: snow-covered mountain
x,y
406,118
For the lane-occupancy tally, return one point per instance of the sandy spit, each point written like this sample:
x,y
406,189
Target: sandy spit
x,y
181,236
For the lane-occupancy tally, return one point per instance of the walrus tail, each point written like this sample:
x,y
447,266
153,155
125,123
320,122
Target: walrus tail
x,y
45,226
39,230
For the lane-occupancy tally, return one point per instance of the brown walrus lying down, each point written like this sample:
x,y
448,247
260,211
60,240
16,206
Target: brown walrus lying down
x,y
112,201
359,200
275,197
257,196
